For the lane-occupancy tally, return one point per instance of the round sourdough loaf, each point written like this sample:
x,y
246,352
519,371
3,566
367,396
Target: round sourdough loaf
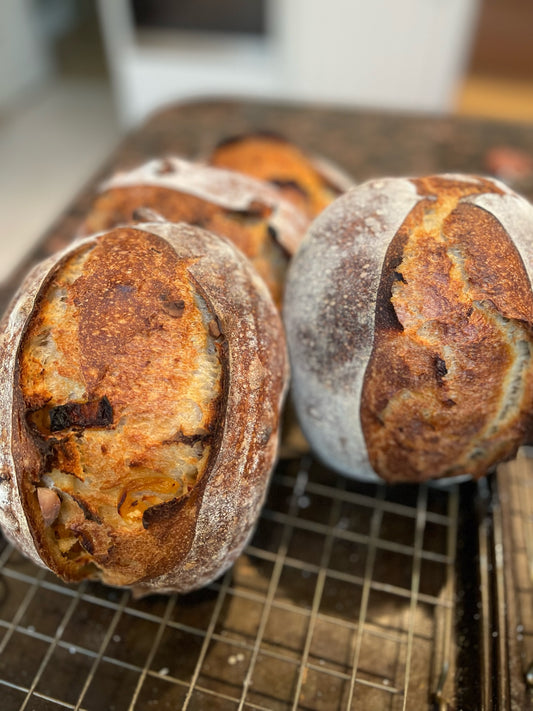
x,y
142,372
253,215
409,314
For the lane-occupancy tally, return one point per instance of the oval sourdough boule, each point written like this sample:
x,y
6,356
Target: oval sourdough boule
x,y
409,314
141,380
252,214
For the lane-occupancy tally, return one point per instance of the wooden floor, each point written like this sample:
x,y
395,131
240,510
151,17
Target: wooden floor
x,y
495,98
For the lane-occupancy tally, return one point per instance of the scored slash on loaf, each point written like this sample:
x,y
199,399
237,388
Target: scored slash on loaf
x,y
409,316
142,376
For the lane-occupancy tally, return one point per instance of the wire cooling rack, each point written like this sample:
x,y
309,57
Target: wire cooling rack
x,y
346,598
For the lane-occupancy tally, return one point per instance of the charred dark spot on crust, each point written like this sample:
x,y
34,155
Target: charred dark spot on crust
x,y
172,307
86,543
122,498
440,368
136,463
332,187
398,276
292,184
87,512
230,140
163,512
255,212
98,413
138,214
182,438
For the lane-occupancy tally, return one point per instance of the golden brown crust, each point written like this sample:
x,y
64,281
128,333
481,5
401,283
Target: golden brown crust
x,y
432,399
309,183
441,381
174,355
133,351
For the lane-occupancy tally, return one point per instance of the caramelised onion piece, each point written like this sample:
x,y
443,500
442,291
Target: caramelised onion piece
x,y
142,376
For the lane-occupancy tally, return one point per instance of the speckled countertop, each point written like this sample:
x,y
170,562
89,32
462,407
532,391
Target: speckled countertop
x,y
365,144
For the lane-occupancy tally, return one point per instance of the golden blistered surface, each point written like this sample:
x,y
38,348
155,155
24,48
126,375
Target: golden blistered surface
x,y
449,385
121,373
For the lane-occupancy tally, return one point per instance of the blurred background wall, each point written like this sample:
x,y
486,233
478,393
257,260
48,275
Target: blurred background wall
x,y
406,54
76,73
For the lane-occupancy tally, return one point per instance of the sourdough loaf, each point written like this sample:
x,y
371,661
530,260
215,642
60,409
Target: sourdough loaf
x,y
255,216
141,379
409,314
307,180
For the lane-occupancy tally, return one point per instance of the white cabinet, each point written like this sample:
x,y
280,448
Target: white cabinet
x,y
396,54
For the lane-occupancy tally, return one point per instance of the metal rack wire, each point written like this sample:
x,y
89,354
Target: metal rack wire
x,y
344,599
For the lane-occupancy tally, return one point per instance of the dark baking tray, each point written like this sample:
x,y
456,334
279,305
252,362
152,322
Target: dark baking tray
x,y
350,595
